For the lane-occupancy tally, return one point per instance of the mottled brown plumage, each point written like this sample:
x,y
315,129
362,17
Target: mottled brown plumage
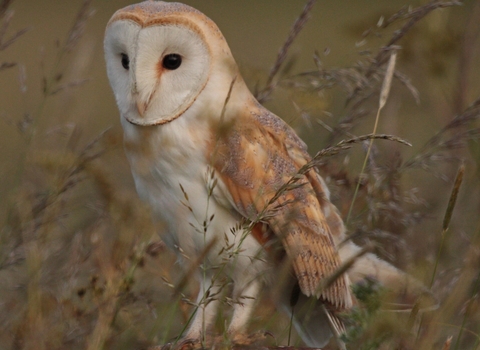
x,y
255,156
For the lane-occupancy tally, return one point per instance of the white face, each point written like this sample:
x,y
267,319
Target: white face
x,y
156,72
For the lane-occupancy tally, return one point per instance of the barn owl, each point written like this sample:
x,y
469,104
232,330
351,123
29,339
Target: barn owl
x,y
212,163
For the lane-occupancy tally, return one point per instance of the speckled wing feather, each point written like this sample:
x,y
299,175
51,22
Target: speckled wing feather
x,y
254,156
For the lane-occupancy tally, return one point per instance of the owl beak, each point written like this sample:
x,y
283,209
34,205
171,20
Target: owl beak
x,y
141,107
140,102
143,103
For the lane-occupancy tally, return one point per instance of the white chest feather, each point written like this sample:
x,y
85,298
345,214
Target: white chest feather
x,y
164,159
172,174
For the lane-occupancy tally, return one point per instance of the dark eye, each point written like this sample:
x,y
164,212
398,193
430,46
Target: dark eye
x,y
172,61
125,61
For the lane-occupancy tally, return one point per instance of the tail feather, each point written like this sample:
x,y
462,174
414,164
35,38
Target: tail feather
x,y
336,326
314,322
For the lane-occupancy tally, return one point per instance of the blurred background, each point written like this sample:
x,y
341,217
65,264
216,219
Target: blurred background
x,y
80,264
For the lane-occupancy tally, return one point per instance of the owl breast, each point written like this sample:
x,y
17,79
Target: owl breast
x,y
171,172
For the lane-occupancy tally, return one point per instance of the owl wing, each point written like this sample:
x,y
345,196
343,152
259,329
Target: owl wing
x,y
254,156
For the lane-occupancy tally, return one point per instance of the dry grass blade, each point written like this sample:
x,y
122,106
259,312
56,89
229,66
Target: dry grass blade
x,y
343,145
6,65
468,309
299,24
466,60
4,6
72,84
191,271
6,17
414,17
227,99
448,215
453,136
387,83
447,344
106,315
454,303
13,38
72,176
453,197
346,78
374,137
463,119
406,81
78,28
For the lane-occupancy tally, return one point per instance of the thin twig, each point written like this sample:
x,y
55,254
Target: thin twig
x,y
299,24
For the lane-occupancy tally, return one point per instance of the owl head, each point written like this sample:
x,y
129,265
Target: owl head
x,y
160,58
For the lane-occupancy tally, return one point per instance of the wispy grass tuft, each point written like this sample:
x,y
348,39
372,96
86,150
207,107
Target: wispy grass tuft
x,y
297,27
384,92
